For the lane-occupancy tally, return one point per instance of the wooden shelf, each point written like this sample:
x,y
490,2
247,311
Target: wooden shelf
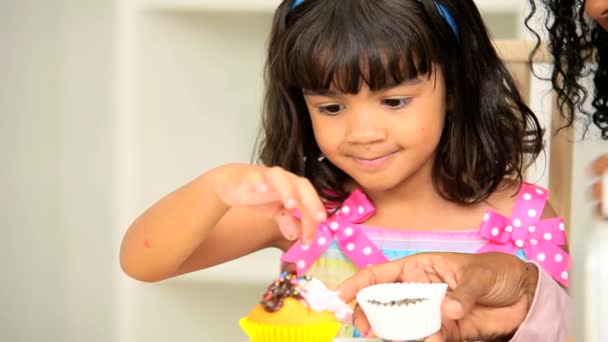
x,y
519,51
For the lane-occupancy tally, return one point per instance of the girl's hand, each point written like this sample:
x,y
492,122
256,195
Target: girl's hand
x,y
275,192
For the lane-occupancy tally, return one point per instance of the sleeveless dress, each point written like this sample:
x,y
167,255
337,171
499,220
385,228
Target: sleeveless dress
x,y
523,235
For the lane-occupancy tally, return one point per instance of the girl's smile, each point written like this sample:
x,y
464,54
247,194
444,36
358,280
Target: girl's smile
x,y
374,163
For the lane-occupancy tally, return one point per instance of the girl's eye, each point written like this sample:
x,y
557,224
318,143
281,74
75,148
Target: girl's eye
x,y
397,103
332,109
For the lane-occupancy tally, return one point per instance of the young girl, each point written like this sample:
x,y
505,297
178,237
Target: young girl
x,y
390,127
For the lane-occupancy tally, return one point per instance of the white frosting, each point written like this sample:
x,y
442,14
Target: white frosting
x,y
320,298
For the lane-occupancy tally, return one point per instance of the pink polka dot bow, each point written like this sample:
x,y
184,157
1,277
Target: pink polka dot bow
x,y
539,239
342,227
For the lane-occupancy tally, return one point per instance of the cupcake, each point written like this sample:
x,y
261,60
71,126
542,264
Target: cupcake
x,y
296,309
403,311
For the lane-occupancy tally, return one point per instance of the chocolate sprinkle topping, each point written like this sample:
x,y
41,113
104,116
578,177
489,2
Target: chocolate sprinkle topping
x,y
408,301
288,285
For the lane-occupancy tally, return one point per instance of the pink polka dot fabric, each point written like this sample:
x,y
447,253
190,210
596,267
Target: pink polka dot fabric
x,y
342,227
538,238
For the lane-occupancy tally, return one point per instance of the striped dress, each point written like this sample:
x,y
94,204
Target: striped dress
x,y
524,234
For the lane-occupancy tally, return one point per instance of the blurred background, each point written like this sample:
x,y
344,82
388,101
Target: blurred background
x,y
105,106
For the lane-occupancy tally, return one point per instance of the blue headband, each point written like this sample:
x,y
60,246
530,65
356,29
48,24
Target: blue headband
x,y
442,10
296,3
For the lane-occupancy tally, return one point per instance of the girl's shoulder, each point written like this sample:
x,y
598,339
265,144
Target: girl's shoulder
x,y
512,195
503,198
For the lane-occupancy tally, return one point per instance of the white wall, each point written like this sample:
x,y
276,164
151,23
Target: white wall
x,y
56,199
194,103
75,170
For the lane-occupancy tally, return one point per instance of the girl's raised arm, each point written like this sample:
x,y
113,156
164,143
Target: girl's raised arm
x,y
226,213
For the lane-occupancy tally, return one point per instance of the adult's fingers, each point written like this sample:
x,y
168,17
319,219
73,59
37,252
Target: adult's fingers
x,y
604,195
452,308
600,165
438,337
472,287
599,168
360,321
596,191
388,272
406,269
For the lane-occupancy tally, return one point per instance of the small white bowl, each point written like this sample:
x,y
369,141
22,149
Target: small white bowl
x,y
403,311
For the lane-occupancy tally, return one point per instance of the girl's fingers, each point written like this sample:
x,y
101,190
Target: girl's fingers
x,y
309,227
258,193
310,200
292,189
252,190
255,183
291,192
311,209
278,180
288,225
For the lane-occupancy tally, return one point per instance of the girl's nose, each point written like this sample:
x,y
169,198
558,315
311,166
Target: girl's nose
x,y
598,10
365,127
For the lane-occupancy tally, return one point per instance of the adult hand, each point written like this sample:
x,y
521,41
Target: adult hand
x,y
598,168
489,294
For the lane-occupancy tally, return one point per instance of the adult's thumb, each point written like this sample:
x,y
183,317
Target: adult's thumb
x,y
438,337
452,308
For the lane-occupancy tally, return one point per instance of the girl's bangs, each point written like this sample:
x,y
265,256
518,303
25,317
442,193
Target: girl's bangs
x,y
337,54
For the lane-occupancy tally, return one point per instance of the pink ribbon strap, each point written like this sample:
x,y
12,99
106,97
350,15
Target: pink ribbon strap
x,y
539,239
341,227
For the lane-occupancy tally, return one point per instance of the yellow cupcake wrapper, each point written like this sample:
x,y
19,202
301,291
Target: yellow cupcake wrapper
x,y
322,332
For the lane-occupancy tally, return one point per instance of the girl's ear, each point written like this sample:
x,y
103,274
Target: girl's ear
x,y
449,94
449,101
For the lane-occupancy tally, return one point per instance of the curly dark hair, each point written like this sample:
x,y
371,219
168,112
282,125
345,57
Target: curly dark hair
x,y
489,132
573,42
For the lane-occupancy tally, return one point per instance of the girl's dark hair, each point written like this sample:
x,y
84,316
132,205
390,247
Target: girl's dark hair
x,y
573,43
343,43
